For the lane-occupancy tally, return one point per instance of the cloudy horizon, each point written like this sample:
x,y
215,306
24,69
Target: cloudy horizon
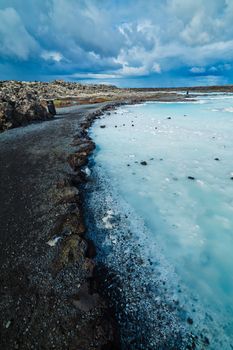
x,y
126,43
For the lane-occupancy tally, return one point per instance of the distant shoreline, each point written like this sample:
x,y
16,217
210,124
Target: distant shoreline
x,y
22,103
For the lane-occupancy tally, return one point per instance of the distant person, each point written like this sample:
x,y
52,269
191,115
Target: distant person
x,y
51,107
187,93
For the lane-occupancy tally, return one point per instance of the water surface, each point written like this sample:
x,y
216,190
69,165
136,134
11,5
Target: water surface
x,y
183,192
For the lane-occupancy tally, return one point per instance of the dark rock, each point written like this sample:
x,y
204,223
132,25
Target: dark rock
x,y
20,104
76,160
103,126
85,301
91,250
73,250
216,159
191,177
72,223
190,320
143,162
86,146
206,341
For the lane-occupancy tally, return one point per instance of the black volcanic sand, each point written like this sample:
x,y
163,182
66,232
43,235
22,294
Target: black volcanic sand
x,y
49,297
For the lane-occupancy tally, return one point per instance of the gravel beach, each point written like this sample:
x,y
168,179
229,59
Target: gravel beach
x,y
49,298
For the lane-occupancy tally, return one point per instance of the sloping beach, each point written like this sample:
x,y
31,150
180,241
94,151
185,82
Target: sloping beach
x,y
57,290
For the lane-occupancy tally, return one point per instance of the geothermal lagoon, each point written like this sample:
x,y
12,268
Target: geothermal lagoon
x,y
171,165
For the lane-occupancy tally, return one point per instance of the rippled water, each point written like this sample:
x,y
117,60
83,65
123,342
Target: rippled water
x,y
184,193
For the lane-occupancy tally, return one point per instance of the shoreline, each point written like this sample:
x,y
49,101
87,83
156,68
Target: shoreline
x,y
70,247
112,285
22,103
208,335
57,266
144,322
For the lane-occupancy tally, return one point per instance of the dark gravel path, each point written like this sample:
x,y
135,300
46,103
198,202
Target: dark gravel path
x,y
35,307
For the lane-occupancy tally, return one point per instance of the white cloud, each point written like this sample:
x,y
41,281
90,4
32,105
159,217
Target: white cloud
x,y
52,55
120,39
15,41
194,33
213,69
133,71
197,70
156,68
221,67
95,55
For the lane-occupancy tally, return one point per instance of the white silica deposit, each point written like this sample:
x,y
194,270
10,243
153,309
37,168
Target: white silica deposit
x,y
172,163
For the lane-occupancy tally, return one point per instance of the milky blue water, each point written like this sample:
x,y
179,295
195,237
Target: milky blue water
x,y
191,219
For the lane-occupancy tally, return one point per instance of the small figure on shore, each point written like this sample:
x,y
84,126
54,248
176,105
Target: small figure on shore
x,y
51,107
187,93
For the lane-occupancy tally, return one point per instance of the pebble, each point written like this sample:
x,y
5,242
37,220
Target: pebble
x,y
8,324
190,320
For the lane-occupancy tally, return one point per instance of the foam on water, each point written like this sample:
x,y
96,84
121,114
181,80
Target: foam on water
x,y
184,194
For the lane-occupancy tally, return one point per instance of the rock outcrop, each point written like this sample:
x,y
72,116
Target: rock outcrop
x,y
25,102
19,105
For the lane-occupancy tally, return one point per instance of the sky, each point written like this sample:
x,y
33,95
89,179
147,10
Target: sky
x,y
128,43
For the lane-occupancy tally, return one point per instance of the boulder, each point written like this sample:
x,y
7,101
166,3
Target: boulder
x,y
19,105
